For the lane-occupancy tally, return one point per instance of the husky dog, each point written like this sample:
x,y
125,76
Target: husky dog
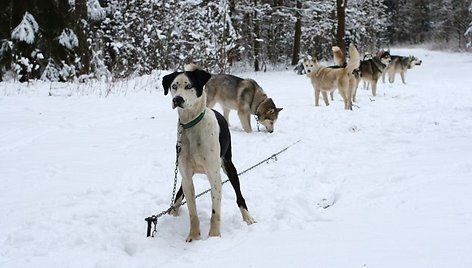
x,y
340,60
205,144
371,69
326,79
244,96
400,65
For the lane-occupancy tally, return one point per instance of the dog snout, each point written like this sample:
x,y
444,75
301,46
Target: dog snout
x,y
177,101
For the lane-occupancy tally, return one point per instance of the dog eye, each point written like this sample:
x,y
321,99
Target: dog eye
x,y
174,86
188,86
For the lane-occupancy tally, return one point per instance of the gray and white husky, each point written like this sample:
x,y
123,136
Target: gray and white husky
x,y
400,64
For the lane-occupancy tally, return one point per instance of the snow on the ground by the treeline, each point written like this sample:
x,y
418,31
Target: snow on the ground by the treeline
x,y
81,169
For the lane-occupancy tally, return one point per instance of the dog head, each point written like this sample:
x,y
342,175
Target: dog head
x,y
309,65
384,57
413,62
267,114
186,88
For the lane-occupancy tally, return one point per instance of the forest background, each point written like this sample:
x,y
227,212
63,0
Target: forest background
x,y
76,40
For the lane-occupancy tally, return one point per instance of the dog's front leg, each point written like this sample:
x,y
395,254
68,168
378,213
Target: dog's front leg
x,y
391,77
215,182
317,97
189,192
374,87
245,118
325,98
402,75
226,114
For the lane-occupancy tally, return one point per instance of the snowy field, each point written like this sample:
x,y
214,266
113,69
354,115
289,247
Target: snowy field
x,y
81,169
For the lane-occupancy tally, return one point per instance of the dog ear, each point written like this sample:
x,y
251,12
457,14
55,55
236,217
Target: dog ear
x,y
167,80
198,79
277,110
202,76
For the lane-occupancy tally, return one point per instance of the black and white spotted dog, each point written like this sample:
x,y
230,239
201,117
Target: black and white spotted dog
x,y
205,147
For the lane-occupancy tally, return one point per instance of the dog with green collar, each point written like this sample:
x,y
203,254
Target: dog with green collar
x,y
205,142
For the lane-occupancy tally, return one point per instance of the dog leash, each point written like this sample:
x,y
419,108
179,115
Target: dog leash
x,y
152,220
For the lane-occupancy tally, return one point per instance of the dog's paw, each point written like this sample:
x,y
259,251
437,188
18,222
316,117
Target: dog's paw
x,y
214,232
174,211
191,237
247,217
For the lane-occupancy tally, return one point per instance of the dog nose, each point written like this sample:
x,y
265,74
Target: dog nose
x,y
177,101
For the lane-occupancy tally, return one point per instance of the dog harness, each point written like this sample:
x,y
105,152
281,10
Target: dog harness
x,y
194,121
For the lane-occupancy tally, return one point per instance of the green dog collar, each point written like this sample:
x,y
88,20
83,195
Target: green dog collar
x,y
194,121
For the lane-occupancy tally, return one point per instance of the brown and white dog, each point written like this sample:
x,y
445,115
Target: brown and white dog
x,y
243,95
205,143
327,79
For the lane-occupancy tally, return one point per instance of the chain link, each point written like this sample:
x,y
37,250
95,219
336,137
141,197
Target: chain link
x,y
154,218
257,122
178,148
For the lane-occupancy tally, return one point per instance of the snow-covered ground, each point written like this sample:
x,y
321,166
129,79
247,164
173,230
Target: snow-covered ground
x,y
79,172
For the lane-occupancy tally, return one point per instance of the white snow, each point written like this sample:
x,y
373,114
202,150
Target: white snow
x,y
80,172
26,30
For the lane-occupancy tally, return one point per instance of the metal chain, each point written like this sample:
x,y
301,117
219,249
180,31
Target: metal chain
x,y
257,122
178,148
153,219
267,160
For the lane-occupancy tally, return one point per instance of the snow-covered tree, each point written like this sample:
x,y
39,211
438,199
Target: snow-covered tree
x,y
367,24
26,30
468,32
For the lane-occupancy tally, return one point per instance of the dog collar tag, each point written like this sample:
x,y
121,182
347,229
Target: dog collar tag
x,y
194,121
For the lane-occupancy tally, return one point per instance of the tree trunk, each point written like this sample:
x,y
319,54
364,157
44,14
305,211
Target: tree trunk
x,y
298,35
257,43
80,29
341,14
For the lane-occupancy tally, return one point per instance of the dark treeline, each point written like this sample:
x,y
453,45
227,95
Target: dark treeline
x,y
64,40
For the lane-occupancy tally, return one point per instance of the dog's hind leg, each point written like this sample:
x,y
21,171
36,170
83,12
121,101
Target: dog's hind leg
x,y
178,200
230,171
332,95
355,84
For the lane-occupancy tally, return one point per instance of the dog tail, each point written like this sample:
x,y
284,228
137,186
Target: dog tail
x,y
354,60
191,67
338,56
